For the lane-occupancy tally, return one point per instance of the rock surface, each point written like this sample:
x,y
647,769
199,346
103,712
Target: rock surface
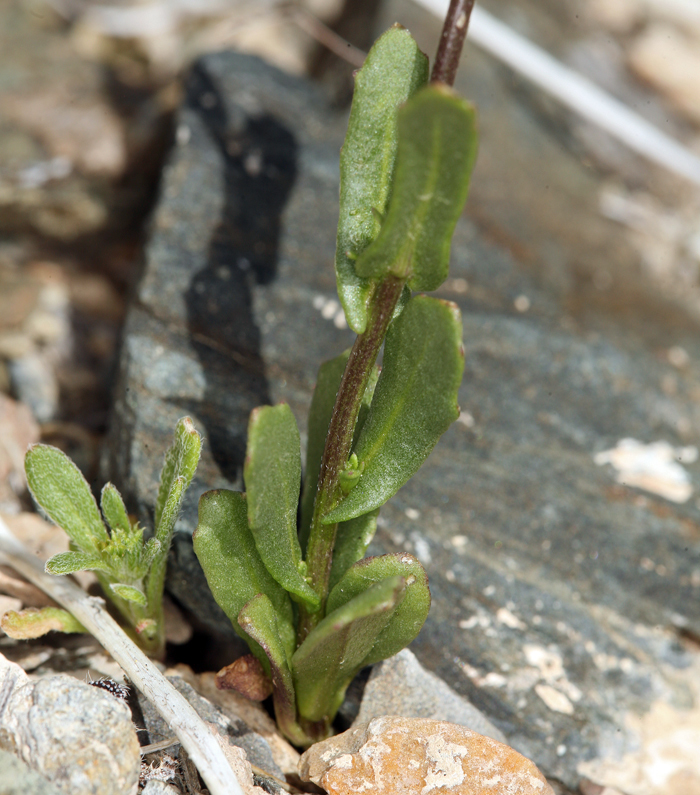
x,y
155,787
405,756
18,429
401,686
78,737
19,779
237,708
231,729
562,600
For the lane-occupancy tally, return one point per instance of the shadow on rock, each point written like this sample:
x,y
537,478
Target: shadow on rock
x,y
260,162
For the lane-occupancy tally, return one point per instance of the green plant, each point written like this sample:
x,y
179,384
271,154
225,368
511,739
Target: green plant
x,y
130,571
312,610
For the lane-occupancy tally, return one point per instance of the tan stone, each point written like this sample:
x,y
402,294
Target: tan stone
x,y
44,540
18,430
670,61
415,756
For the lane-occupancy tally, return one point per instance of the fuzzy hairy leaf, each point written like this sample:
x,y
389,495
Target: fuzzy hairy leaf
x,y
113,509
60,489
333,652
180,461
394,69
272,474
413,405
129,593
258,618
235,573
410,615
171,510
179,467
33,623
68,562
328,381
437,145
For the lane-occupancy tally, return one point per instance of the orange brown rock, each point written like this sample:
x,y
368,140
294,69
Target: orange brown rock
x,y
245,675
416,756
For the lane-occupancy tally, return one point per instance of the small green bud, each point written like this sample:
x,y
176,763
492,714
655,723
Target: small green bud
x,y
350,476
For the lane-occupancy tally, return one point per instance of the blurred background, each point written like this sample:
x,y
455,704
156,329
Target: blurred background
x,y
88,93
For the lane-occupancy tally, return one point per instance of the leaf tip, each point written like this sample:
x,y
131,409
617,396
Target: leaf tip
x,y
188,426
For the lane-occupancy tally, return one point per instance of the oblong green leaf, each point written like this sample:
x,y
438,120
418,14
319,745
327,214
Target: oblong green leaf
x,y
437,145
413,405
68,562
129,593
170,512
113,508
60,489
410,615
333,652
234,570
330,374
259,620
34,622
394,69
351,541
180,461
272,474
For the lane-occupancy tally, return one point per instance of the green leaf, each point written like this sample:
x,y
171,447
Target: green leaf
x,y
59,488
232,565
272,474
113,509
181,461
394,69
351,542
333,652
328,381
259,620
414,403
170,512
129,593
68,562
150,549
410,615
33,623
436,153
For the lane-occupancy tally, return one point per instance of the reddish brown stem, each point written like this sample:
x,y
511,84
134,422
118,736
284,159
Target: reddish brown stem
x,y
454,32
319,553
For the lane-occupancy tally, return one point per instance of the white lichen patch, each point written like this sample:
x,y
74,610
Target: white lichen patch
x,y
330,309
509,619
343,762
444,763
656,468
554,699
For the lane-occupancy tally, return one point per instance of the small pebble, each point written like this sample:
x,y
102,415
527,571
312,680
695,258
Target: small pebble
x,y
405,756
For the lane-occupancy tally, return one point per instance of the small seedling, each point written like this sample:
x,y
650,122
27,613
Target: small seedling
x,y
130,570
311,609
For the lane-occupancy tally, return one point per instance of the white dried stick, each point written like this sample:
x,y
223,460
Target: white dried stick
x,y
191,731
575,91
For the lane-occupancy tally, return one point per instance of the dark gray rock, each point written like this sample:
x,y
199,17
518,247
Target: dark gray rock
x,y
561,599
401,686
238,733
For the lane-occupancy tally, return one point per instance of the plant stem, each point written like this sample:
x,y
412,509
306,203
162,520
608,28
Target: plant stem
x,y
319,556
454,31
